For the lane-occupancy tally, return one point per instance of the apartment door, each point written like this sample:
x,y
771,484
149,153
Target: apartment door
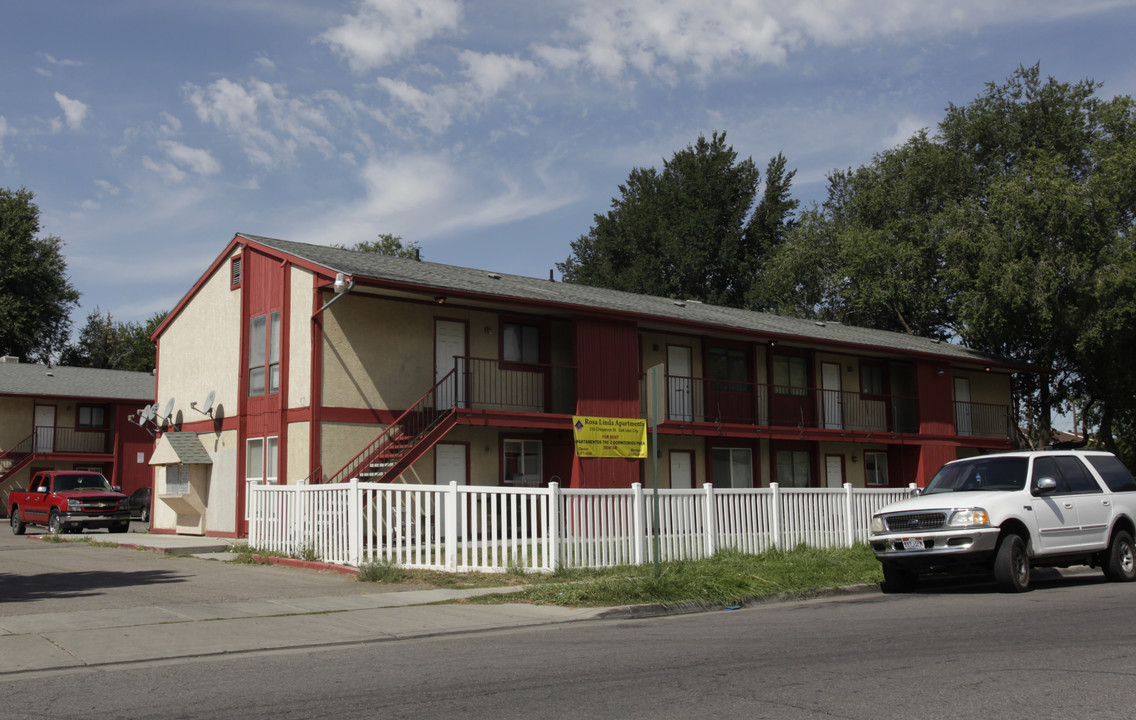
x,y
963,421
682,470
833,401
449,353
680,401
834,471
44,428
450,465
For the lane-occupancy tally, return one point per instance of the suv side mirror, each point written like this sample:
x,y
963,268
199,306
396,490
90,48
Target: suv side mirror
x,y
1044,485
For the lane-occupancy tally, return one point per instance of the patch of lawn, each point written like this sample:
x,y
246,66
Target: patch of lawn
x,y
728,578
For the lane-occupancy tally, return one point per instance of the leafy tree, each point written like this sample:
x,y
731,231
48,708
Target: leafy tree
x,y
688,231
1008,231
36,295
107,344
388,244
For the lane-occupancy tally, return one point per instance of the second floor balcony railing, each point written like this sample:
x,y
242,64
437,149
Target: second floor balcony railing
x,y
690,399
488,384
982,420
49,439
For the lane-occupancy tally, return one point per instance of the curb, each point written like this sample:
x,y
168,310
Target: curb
x,y
632,612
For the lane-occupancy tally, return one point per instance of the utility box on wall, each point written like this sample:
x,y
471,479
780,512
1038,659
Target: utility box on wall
x,y
182,484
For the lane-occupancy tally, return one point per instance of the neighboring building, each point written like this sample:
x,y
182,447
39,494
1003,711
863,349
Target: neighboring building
x,y
292,362
69,418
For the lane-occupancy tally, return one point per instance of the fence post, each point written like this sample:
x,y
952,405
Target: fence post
x,y
775,511
849,516
255,519
711,514
638,524
552,532
453,511
354,523
300,534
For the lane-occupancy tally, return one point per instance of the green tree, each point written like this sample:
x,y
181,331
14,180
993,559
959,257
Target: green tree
x,y
688,231
1008,231
111,345
388,244
36,295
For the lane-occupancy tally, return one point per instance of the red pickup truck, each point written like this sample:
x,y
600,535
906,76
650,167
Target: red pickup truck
x,y
69,500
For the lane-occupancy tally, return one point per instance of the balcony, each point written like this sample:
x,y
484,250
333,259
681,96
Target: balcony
x,y
489,384
982,420
702,400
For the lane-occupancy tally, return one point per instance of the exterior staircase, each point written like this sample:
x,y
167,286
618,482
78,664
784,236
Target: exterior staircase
x,y
12,461
406,439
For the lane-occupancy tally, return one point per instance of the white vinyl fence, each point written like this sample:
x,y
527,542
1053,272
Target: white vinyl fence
x,y
461,528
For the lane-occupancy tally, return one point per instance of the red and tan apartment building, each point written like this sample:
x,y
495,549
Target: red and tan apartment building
x,y
69,418
290,362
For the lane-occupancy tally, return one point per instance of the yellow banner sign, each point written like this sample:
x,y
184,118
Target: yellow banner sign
x,y
610,437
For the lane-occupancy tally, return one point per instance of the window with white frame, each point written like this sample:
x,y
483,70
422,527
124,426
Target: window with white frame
x,y
732,467
522,463
264,354
794,468
261,460
875,467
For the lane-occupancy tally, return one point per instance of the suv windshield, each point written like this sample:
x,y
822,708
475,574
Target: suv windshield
x,y
1005,473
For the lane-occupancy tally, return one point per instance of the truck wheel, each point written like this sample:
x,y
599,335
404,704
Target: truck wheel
x,y
1120,558
1011,565
54,523
145,514
899,580
17,522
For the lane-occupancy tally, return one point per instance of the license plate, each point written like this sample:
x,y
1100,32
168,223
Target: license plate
x,y
913,544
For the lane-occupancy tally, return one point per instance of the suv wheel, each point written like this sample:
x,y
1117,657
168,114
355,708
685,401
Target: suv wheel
x,y
1011,565
1120,558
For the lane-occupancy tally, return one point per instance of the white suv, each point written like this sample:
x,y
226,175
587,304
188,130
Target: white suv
x,y
1007,512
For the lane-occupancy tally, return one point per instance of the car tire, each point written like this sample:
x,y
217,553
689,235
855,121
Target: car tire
x,y
55,523
145,514
1012,565
1120,558
17,522
899,580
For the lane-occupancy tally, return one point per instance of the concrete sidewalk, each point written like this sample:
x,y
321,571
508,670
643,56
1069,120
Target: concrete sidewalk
x,y
91,638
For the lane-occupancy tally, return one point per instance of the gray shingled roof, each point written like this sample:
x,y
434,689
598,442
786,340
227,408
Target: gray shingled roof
x,y
43,381
517,287
188,447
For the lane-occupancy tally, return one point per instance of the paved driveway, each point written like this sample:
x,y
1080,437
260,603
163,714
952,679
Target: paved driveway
x,y
45,577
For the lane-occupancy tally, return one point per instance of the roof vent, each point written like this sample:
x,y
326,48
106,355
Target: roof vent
x,y
680,303
819,323
494,276
10,359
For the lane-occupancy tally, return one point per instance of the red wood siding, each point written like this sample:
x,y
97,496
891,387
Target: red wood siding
x,y
936,400
607,385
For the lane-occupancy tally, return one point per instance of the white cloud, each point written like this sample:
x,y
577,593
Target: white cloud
x,y
663,37
74,110
170,125
106,187
486,76
270,126
404,194
61,61
4,131
265,63
198,161
166,170
383,31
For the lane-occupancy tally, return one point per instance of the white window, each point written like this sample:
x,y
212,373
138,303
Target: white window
x,y
261,460
732,467
522,463
177,479
264,354
875,467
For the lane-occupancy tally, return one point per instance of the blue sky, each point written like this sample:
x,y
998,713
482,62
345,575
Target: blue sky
x,y
489,132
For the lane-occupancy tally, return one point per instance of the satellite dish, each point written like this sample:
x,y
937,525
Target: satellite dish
x,y
169,411
147,413
209,402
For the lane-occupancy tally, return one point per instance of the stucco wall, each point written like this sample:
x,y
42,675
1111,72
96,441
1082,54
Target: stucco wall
x,y
300,341
199,350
